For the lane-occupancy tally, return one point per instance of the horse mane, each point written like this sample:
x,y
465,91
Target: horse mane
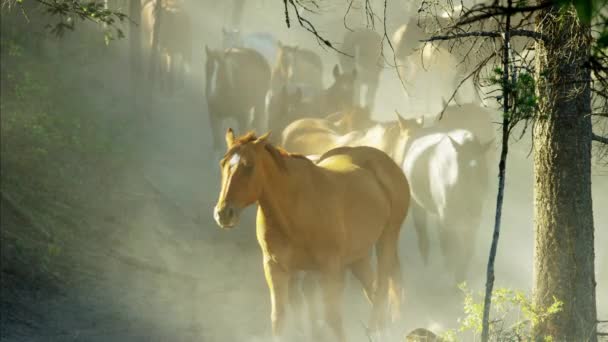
x,y
278,153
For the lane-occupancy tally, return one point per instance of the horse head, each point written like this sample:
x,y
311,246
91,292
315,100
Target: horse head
x,y
471,155
241,170
286,56
401,134
219,74
231,38
340,95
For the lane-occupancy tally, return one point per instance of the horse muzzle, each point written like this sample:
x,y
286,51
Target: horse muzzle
x,y
226,216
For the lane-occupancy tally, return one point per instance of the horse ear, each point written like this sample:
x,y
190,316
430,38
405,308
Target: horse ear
x,y
402,122
454,142
263,138
336,71
229,137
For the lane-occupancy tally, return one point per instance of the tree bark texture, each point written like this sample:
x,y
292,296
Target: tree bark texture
x,y
563,214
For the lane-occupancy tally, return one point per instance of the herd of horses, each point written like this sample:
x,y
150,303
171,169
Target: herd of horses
x,y
333,186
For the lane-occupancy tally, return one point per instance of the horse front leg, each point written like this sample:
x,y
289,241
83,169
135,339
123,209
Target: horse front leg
x,y
420,225
278,284
215,123
333,287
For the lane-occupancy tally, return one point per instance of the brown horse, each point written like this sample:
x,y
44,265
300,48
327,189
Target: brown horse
x,y
310,138
290,104
363,51
341,94
295,65
236,83
174,40
324,217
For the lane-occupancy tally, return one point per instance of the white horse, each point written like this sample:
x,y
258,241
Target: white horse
x,y
449,178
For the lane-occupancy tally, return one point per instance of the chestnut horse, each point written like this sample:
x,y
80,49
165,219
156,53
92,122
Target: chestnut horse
x,y
312,138
236,83
324,217
340,122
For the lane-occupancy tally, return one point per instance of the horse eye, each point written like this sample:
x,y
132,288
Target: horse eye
x,y
247,165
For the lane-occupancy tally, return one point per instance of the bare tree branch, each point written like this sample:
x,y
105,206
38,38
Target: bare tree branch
x,y
493,34
474,72
492,11
599,138
308,26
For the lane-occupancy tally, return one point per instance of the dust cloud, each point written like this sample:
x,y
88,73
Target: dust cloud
x,y
211,285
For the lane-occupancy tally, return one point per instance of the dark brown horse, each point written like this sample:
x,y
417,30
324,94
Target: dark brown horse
x,y
289,104
297,66
236,84
365,47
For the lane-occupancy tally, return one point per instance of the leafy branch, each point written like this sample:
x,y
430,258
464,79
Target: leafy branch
x,y
68,11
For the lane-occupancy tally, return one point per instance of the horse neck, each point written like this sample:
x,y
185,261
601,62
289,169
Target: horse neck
x,y
327,102
224,77
278,187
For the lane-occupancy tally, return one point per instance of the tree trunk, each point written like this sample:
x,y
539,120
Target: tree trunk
x,y
135,59
564,246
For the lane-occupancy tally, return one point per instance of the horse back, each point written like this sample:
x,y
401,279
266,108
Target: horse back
x,y
386,173
249,67
439,180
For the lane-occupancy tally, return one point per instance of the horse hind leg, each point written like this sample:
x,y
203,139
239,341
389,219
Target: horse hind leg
x,y
362,270
420,225
388,289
